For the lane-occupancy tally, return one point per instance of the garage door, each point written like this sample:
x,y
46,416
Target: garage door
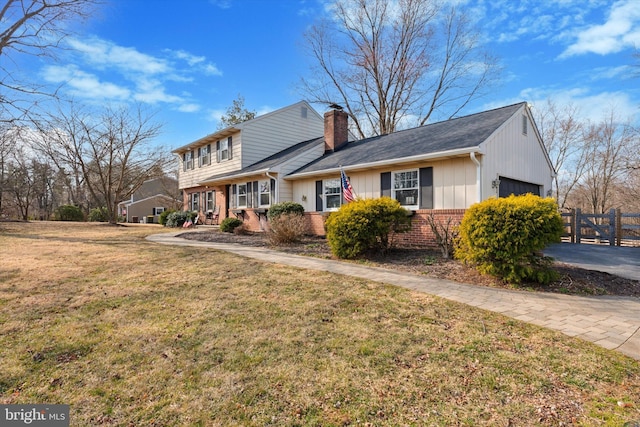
x,y
510,186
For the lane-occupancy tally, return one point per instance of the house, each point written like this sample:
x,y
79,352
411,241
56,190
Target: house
x,y
441,169
219,169
152,198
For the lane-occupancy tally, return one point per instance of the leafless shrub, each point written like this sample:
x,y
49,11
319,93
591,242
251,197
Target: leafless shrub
x,y
445,234
287,228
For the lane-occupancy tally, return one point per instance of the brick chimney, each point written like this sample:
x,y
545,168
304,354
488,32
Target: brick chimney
x,y
336,129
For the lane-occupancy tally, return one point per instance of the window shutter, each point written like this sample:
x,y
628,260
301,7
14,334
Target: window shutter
x,y
193,160
208,154
184,162
199,157
273,191
385,184
319,196
233,196
230,141
426,188
218,151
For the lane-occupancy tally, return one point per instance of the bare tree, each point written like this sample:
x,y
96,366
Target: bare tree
x,y
32,28
609,144
562,133
391,63
113,150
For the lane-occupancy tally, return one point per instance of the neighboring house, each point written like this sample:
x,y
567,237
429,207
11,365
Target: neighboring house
x,y
215,170
441,168
150,200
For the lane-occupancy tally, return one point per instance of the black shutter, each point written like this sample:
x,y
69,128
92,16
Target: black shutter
x,y
385,184
426,188
199,156
218,151
184,162
193,159
319,196
273,192
230,145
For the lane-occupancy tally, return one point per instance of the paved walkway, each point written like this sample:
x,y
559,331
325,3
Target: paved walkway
x,y
611,322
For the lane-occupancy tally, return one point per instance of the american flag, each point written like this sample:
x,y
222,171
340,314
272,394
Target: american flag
x,y
347,190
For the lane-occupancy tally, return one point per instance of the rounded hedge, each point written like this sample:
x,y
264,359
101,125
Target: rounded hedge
x,y
365,225
503,237
285,208
229,224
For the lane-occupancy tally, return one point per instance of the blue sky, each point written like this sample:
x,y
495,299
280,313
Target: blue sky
x,y
188,60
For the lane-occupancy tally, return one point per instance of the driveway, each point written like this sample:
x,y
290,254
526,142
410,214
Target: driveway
x,y
619,260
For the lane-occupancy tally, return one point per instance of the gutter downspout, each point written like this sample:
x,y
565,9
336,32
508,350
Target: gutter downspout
x,y
478,175
277,186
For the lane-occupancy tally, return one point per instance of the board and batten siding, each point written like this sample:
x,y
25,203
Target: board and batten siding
x,y
272,133
192,177
512,154
454,184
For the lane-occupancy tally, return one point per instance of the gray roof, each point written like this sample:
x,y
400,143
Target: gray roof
x,y
455,134
272,161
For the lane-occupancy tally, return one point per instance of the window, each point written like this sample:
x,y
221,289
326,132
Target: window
x,y
331,192
242,196
210,200
405,188
265,192
187,160
194,203
224,150
158,211
524,125
204,155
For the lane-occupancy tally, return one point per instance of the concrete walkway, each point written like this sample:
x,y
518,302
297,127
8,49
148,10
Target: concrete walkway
x,y
611,322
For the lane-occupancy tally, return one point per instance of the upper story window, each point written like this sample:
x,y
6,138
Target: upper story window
x,y
405,188
204,155
265,192
242,196
187,160
224,149
331,193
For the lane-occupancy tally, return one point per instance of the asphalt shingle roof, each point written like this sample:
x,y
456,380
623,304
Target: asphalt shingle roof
x,y
459,133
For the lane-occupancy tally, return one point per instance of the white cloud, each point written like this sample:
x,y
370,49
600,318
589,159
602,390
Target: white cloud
x,y
84,85
189,108
621,30
105,54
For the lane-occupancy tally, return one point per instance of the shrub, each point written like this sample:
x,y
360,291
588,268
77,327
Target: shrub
x,y
287,228
445,234
98,215
162,220
178,218
241,230
504,237
68,213
285,208
365,225
228,224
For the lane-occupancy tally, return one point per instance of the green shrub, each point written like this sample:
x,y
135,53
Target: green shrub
x,y
229,224
98,215
503,237
178,218
163,216
365,225
287,228
285,208
68,213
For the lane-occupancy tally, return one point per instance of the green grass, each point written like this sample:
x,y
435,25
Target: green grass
x,y
132,333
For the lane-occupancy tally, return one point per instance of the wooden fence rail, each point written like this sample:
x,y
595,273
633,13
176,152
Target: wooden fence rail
x,y
614,228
